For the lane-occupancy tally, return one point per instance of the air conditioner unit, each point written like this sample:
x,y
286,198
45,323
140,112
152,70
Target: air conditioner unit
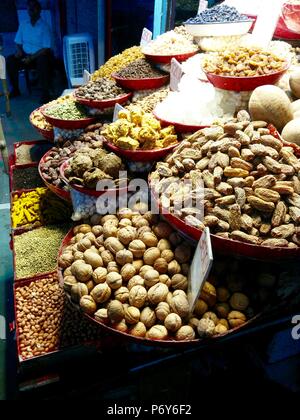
x,y
78,56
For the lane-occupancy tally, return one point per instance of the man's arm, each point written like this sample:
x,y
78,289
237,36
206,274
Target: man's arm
x,y
20,51
34,56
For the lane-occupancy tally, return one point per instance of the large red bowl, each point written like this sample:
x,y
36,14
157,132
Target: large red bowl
x,y
60,192
239,84
179,127
142,84
47,134
166,59
107,103
141,155
68,124
88,191
169,342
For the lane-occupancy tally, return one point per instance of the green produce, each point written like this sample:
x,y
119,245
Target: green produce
x,y
67,110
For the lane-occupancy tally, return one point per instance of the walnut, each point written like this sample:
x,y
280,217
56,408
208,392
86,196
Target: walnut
x,y
138,264
110,217
66,259
193,322
88,305
180,305
127,272
224,322
137,247
148,317
173,322
179,282
78,255
110,230
185,333
114,280
107,257
92,258
69,281
127,235
212,316
68,272
236,318
183,253
151,255
83,272
78,290
222,294
84,244
151,277
153,219
158,293
239,301
112,267
164,278
135,281
138,330
132,315
139,221
137,296
222,309
174,268
142,230
164,244
144,269
122,294
162,230
97,230
125,213
167,255
101,316
123,257
124,223
91,237
209,294
101,293
84,228
169,298
200,308
220,329
115,311
206,328
90,285
149,239
157,332
121,326
161,265
79,237
162,311
113,245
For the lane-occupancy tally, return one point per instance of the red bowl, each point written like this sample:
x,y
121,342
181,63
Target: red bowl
x,y
47,134
68,124
169,342
88,191
166,59
142,84
239,84
107,103
60,192
141,155
291,16
180,128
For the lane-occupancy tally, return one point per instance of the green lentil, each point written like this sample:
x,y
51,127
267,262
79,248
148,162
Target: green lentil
x,y
36,251
67,110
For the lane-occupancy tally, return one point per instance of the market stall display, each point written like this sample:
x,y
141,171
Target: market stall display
x,y
25,177
67,114
39,122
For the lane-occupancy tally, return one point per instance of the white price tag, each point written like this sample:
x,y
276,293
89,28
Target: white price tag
x,y
146,37
117,109
86,77
200,268
202,6
175,74
265,25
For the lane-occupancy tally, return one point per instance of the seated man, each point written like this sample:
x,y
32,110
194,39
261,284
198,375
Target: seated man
x,y
33,41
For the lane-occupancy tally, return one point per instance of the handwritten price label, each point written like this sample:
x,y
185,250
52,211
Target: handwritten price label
x,y
175,74
146,37
200,268
117,109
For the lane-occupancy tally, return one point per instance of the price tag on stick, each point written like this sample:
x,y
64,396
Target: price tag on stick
x,y
117,109
86,77
146,37
200,268
202,6
175,74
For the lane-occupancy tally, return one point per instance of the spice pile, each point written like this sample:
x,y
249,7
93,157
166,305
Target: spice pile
x,y
138,130
139,69
148,101
66,110
218,14
170,43
251,183
26,178
38,207
100,90
118,62
36,251
240,62
29,153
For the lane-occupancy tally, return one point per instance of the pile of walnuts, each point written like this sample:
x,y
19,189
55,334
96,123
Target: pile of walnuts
x,y
123,271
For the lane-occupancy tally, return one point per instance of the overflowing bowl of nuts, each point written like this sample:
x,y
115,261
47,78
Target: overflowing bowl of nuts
x,y
39,122
67,115
123,274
